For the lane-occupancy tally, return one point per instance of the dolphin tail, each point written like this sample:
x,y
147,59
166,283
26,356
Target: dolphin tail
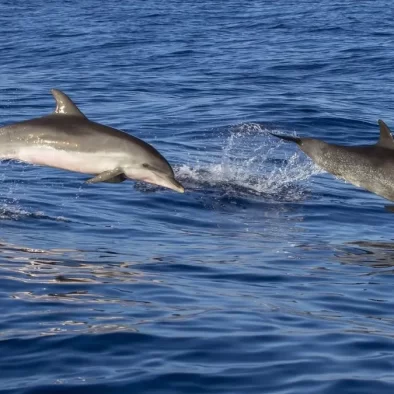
x,y
297,140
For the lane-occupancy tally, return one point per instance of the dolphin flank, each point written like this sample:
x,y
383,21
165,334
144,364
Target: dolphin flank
x,y
66,139
370,167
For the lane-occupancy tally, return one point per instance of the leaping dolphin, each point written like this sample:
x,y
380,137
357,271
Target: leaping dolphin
x,y
370,167
68,140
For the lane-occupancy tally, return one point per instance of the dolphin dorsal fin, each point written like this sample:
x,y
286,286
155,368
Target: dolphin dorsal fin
x,y
64,104
386,139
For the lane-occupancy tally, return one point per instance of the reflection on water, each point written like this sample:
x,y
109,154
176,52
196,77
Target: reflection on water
x,y
75,291
376,254
57,279
61,265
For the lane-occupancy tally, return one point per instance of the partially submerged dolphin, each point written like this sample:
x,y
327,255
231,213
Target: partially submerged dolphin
x,y
370,167
66,139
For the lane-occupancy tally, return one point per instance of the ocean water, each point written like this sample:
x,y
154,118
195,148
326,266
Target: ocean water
x,y
268,275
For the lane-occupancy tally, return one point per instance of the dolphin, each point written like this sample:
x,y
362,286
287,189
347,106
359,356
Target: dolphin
x,y
68,140
370,167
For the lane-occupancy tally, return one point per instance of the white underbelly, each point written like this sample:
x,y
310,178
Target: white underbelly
x,y
87,163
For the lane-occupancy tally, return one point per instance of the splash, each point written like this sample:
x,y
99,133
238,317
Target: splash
x,y
252,163
13,213
11,210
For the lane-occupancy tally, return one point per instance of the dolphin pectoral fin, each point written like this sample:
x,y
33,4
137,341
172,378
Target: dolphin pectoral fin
x,y
111,176
117,179
385,139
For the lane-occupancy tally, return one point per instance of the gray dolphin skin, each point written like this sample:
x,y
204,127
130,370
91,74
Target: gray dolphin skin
x,y
66,139
370,167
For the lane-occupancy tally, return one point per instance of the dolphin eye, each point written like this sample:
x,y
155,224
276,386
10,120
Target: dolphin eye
x,y
145,165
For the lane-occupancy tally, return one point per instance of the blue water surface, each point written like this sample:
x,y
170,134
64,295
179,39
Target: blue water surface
x,y
268,275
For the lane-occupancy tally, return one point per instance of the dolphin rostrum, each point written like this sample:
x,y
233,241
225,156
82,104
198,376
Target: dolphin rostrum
x,y
68,140
370,167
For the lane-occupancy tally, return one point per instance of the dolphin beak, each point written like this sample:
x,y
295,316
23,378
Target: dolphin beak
x,y
288,138
174,185
167,181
